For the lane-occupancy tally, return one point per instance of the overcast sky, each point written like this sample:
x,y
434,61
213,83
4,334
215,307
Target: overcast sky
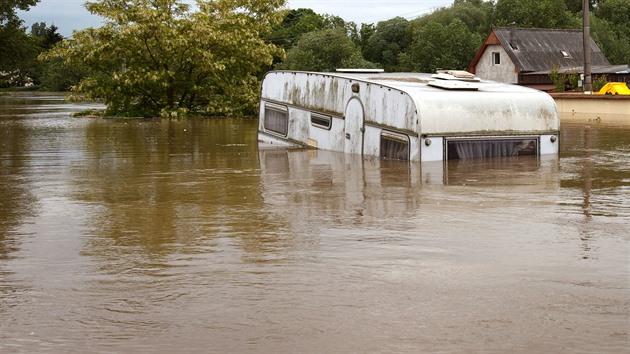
x,y
69,15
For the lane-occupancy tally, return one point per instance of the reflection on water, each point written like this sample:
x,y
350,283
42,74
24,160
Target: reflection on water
x,y
160,236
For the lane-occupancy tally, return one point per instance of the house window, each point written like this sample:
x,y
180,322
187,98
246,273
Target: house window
x,y
496,58
394,146
322,121
565,54
276,119
473,148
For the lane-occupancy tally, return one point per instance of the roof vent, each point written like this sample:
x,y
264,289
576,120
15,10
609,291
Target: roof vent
x,y
460,75
454,85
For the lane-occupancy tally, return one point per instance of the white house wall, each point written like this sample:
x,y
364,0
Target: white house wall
x,y
503,72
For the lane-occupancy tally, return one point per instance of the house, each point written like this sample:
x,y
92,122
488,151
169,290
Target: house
x,y
525,56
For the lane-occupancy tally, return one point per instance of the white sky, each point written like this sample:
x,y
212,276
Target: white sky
x,y
69,15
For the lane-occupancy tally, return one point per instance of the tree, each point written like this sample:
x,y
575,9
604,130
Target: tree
x,y
475,14
617,12
437,47
324,50
575,6
8,8
613,40
14,43
47,36
59,76
609,29
535,13
160,57
387,41
294,24
298,22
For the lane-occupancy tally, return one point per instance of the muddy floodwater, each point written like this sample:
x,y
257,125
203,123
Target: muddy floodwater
x,y
157,236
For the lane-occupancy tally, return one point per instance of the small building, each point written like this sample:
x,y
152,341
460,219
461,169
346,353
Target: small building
x,y
525,56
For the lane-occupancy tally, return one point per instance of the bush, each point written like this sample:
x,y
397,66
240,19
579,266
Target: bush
x,y
599,83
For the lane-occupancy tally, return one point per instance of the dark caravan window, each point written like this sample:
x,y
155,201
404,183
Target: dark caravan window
x,y
394,146
320,120
276,119
474,148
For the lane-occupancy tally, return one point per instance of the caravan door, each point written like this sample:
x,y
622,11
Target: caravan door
x,y
354,127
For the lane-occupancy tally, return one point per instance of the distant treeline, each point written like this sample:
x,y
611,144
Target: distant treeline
x,y
167,58
447,38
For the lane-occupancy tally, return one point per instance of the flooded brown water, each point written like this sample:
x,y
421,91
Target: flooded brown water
x,y
154,236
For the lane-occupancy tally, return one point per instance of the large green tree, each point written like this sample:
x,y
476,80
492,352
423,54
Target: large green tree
x,y
162,57
388,39
295,23
435,46
8,8
324,50
477,15
609,29
46,36
15,46
535,13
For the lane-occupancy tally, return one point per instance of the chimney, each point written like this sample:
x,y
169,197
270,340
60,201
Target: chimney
x,y
513,35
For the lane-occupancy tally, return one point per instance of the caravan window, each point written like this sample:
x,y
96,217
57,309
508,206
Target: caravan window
x,y
320,120
276,119
394,146
472,148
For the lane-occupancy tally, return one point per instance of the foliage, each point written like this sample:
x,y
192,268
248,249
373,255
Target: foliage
x,y
535,13
59,76
162,58
324,50
563,81
613,40
575,6
599,82
15,46
449,37
617,12
8,8
20,67
298,22
46,36
19,64
557,78
387,40
573,79
609,29
41,38
475,14
435,46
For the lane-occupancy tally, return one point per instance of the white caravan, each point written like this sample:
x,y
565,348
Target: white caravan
x,y
406,116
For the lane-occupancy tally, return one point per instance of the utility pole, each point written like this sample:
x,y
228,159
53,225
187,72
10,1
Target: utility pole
x,y
586,35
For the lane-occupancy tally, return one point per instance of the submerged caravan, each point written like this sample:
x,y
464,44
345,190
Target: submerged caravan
x,y
406,116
